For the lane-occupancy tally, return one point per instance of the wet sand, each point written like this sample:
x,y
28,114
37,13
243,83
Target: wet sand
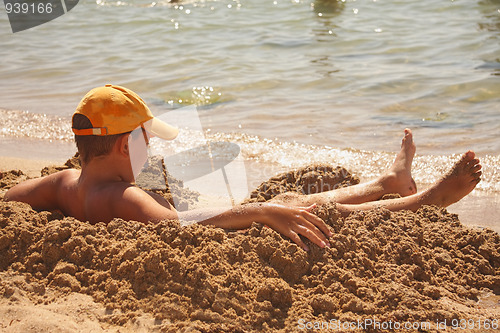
x,y
478,209
60,274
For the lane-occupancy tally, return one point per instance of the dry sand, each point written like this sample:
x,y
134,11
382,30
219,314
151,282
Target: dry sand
x,y
58,274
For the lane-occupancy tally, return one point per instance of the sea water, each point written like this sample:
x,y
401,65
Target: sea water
x,y
291,82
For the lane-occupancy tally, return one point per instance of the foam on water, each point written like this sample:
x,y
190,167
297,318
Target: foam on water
x,y
266,156
24,124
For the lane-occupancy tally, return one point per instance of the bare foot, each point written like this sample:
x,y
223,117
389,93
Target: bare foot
x,y
398,178
460,181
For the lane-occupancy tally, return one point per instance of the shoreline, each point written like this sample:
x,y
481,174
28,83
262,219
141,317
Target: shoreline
x,y
477,210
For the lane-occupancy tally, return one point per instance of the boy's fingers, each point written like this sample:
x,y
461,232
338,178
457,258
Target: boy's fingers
x,y
311,226
310,207
296,239
313,234
314,219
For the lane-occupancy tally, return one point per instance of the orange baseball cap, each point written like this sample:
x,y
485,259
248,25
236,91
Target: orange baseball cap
x,y
116,110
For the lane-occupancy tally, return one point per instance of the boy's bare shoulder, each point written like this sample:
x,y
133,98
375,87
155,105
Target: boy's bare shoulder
x,y
128,193
43,192
61,178
130,202
66,174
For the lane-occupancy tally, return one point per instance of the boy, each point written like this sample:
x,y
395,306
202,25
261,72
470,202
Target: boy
x,y
103,190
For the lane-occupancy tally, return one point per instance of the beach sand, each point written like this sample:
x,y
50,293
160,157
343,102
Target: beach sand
x,y
58,274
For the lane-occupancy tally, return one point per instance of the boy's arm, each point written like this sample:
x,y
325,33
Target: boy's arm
x,y
39,193
132,203
137,205
289,221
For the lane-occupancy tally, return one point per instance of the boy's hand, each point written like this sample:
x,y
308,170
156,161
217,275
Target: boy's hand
x,y
295,221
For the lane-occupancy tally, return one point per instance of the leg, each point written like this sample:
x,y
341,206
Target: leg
x,y
455,185
395,180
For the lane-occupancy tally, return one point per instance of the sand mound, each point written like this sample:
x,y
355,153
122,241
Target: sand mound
x,y
399,267
315,178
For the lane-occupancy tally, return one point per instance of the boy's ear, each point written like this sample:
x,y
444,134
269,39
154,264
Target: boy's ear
x,y
122,145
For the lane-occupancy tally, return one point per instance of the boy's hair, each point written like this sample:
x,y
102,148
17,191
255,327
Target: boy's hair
x,y
90,146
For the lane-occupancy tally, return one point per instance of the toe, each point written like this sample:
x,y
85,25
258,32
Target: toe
x,y
475,168
469,155
408,135
466,159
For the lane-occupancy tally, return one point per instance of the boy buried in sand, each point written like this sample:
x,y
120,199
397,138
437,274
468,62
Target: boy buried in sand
x,y
103,189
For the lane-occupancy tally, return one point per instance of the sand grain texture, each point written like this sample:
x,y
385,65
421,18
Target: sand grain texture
x,y
402,266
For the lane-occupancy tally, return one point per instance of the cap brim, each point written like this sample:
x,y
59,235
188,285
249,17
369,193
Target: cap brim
x,y
161,129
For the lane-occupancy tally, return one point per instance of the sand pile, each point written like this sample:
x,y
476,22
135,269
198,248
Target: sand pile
x,y
399,267
315,178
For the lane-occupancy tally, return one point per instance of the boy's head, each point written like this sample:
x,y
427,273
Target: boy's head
x,y
107,113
